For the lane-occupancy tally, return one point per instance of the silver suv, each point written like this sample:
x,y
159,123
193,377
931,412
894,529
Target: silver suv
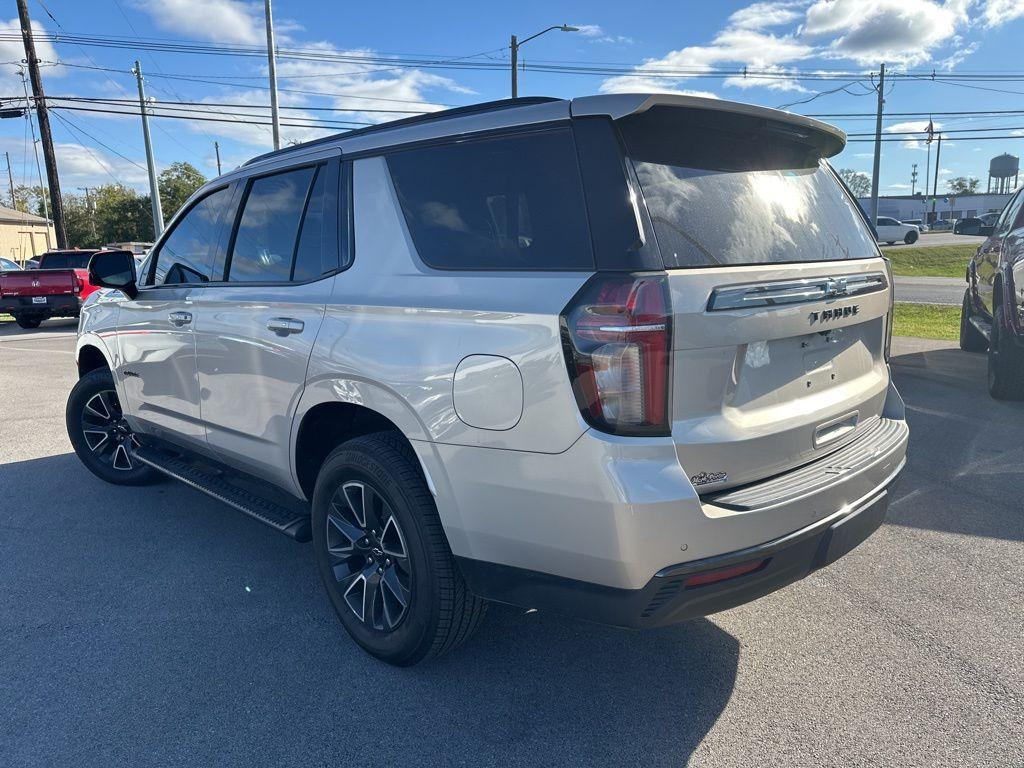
x,y
621,357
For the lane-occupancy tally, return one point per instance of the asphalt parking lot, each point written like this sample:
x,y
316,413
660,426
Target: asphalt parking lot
x,y
154,626
939,238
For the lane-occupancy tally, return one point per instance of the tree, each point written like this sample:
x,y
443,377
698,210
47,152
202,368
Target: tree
x,y
859,183
29,199
177,182
80,223
121,214
962,185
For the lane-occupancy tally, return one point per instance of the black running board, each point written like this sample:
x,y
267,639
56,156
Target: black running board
x,y
291,522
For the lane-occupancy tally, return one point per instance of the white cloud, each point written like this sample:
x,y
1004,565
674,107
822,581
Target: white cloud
x,y
589,30
766,14
222,21
903,32
898,186
639,84
13,50
999,12
733,45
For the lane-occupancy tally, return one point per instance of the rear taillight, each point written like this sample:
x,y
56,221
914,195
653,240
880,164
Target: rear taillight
x,y
78,284
617,333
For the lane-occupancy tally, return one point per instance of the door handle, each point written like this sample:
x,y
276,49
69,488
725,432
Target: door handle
x,y
180,318
283,326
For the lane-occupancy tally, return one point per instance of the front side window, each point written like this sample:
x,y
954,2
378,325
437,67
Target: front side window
x,y
506,203
265,241
186,255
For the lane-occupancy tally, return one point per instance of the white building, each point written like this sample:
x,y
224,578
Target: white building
x,y
947,206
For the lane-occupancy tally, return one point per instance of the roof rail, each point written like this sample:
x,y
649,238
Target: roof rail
x,y
426,117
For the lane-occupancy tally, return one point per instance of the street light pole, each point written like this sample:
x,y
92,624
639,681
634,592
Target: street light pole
x,y
515,44
154,187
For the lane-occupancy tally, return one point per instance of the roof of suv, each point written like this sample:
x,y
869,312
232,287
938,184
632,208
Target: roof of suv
x,y
525,111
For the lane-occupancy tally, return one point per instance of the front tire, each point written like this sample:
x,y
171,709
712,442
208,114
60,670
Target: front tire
x,y
1005,363
911,238
971,339
383,555
101,437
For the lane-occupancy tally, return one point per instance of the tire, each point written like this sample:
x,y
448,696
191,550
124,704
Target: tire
x,y
971,339
890,242
27,323
100,436
379,475
1005,363
911,237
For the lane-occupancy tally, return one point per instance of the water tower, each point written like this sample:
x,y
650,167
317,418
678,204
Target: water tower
x,y
1000,170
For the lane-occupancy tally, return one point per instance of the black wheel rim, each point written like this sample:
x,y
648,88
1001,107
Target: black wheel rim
x,y
368,556
107,434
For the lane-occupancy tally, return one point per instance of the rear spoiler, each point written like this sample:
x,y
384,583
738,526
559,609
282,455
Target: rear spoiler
x,y
827,139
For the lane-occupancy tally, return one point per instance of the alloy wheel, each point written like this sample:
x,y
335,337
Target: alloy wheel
x,y
106,432
368,556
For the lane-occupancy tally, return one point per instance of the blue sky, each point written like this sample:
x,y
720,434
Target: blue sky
x,y
631,44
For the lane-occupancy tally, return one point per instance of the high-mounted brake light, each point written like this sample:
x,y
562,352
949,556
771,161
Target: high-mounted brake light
x,y
616,333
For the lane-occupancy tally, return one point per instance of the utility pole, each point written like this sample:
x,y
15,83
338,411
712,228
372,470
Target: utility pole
x,y
35,151
878,145
154,188
935,187
10,179
44,125
913,180
275,116
92,219
514,49
216,150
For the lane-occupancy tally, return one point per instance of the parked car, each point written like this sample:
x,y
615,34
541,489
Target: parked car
x,y
32,264
971,226
919,223
890,230
56,288
941,225
490,354
7,264
992,315
989,219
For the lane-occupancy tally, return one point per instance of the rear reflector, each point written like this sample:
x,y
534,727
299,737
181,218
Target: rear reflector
x,y
616,335
724,574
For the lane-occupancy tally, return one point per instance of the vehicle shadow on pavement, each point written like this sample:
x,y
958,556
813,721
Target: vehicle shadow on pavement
x,y
965,467
155,626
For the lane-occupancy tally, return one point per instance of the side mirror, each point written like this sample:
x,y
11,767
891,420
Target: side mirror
x,y
114,269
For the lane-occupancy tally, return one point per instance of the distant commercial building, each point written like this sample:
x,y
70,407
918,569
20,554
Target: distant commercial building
x,y
24,236
919,206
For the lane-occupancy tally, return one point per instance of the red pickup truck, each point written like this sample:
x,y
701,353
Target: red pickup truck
x,y
56,289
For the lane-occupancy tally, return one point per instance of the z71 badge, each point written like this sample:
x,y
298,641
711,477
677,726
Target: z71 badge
x,y
830,315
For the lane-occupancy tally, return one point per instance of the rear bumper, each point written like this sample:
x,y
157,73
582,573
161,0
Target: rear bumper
x,y
670,596
63,305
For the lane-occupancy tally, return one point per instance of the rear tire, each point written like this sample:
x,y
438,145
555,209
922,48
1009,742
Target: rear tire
x,y
971,339
890,242
27,323
102,439
371,503
911,238
1005,363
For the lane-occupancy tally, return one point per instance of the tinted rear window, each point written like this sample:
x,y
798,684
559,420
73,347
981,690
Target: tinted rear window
x,y
65,260
507,203
730,190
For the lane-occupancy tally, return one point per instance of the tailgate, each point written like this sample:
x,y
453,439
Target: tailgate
x,y
774,366
38,282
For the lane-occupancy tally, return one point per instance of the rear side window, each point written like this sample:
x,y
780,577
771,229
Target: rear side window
x,y
70,260
267,230
186,254
506,203
729,190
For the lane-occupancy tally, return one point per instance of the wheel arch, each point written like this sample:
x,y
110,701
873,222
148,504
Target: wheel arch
x,y
91,353
334,410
